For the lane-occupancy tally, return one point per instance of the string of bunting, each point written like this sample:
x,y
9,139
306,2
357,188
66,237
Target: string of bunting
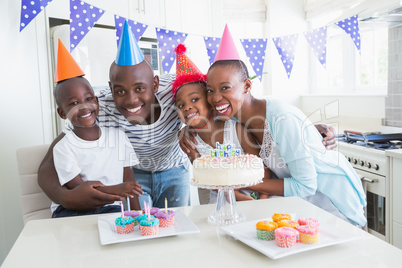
x,y
83,17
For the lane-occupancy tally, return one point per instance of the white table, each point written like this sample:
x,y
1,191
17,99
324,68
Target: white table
x,y
74,242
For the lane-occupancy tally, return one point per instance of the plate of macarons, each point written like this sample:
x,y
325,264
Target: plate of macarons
x,y
286,234
141,225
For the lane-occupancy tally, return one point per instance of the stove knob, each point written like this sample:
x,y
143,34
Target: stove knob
x,y
368,165
376,167
361,162
349,159
355,161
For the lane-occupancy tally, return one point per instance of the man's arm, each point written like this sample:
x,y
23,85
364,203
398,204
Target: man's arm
x,y
84,197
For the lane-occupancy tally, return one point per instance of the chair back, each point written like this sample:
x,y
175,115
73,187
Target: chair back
x,y
34,202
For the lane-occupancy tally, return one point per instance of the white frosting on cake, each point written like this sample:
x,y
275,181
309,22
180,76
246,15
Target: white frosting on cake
x,y
228,171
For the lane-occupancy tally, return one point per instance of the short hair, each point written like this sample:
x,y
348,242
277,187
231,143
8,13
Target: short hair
x,y
237,64
56,89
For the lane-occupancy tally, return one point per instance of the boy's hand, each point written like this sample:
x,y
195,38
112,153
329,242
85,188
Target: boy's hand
x,y
130,189
328,133
242,197
186,139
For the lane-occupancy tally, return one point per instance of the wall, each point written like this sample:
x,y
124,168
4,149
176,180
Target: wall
x,y
360,113
393,102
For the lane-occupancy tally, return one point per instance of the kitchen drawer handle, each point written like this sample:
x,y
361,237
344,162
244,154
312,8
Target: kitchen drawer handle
x,y
367,180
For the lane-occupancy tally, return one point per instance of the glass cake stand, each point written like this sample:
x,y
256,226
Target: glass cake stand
x,y
225,212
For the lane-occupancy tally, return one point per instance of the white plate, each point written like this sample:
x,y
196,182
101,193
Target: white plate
x,y
246,232
108,234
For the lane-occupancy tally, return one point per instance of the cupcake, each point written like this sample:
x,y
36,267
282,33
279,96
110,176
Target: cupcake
x,y
279,216
149,226
266,230
287,223
309,221
308,234
166,219
153,210
286,237
124,225
134,214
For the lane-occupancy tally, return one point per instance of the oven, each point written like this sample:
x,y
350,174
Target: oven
x,y
372,166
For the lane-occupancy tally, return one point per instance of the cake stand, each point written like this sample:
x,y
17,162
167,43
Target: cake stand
x,y
225,212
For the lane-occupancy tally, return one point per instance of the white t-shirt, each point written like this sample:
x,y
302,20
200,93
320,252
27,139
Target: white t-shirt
x,y
100,160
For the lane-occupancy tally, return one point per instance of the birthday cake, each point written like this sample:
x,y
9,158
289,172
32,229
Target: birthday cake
x,y
226,167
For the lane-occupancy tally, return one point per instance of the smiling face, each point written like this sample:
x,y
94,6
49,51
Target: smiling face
x,y
77,102
226,88
191,100
133,89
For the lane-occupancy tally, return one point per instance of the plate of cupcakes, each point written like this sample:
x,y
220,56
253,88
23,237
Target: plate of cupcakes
x,y
286,234
146,224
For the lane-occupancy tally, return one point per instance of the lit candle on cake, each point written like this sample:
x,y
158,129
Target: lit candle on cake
x,y
122,209
165,205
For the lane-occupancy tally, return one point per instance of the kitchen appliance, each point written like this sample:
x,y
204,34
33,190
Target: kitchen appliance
x,y
366,153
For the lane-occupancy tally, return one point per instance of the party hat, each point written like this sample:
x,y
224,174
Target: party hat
x,y
227,49
129,53
186,70
66,66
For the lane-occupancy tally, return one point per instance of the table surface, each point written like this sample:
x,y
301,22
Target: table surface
x,y
74,242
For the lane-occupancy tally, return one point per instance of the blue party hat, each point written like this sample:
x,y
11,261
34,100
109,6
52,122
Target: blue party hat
x,y
129,53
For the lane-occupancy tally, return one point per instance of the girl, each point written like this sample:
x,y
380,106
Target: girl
x,y
189,90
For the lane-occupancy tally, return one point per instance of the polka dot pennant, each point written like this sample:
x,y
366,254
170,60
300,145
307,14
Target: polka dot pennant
x,y
83,17
212,44
286,46
30,9
255,51
137,28
317,39
167,41
351,27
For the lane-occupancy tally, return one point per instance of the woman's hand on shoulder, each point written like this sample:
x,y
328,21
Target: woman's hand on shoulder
x,y
328,133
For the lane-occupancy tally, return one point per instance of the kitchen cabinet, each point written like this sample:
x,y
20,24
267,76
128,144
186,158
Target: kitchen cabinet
x,y
396,197
151,12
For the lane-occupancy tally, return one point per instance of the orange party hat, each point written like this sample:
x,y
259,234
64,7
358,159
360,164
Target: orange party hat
x,y
66,66
227,49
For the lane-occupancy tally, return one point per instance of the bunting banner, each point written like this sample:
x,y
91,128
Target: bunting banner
x,y
137,28
286,46
317,39
30,9
351,27
167,42
255,51
212,44
83,17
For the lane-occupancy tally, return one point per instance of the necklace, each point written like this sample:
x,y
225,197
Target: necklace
x,y
206,122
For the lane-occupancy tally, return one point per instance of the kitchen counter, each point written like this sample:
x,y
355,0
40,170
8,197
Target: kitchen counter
x,y
74,242
397,153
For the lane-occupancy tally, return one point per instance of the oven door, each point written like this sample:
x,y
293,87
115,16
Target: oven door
x,y
377,204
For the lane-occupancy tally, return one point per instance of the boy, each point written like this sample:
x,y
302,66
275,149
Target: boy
x,y
89,152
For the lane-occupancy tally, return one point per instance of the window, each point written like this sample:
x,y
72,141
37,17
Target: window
x,y
349,72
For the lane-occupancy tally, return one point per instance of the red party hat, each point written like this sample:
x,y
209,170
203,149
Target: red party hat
x,y
227,49
186,70
66,66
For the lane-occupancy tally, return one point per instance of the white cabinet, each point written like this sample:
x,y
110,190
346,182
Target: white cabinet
x,y
396,189
151,12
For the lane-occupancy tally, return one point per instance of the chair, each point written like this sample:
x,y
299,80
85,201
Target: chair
x,y
35,203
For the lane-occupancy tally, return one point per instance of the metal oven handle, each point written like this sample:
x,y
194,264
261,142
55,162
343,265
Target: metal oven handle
x,y
364,179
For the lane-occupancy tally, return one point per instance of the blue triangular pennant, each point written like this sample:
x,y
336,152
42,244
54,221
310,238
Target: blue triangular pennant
x,y
30,9
255,51
137,28
83,17
212,44
167,41
286,46
317,38
351,27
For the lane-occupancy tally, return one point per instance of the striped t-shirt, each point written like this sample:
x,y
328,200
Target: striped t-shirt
x,y
156,145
